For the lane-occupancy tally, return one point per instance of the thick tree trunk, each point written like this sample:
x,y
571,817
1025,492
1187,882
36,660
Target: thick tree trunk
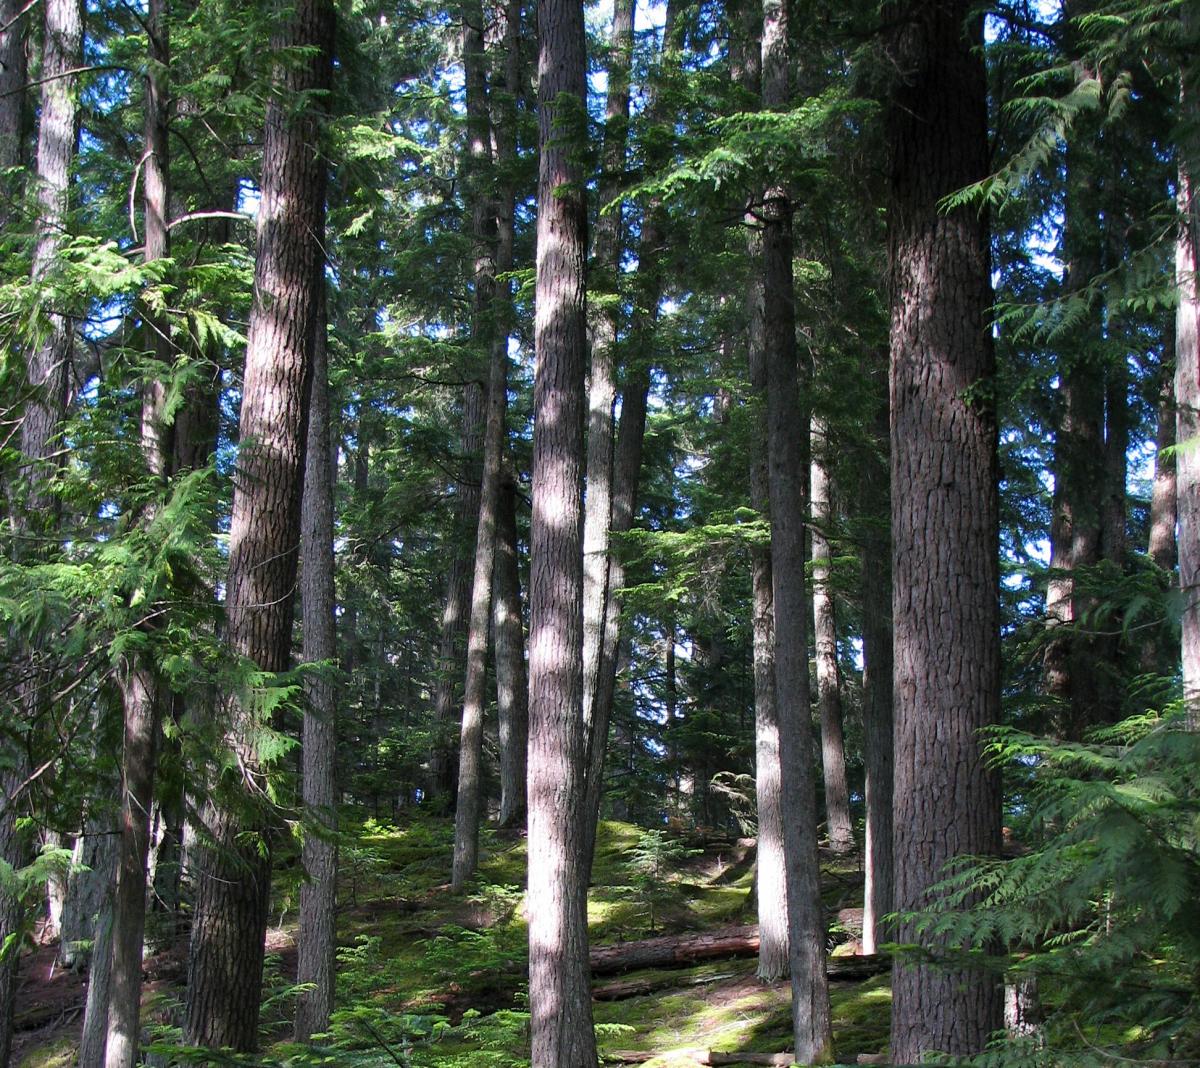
x,y
46,369
944,508
559,989
318,892
233,873
35,510
94,1033
876,559
142,691
811,1023
838,827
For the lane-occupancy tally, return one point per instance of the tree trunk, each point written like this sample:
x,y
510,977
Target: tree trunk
x,y
770,879
770,885
1187,388
234,871
602,389
142,691
878,895
318,892
627,466
944,508
46,370
1160,544
839,828
12,103
811,1024
93,1037
512,684
559,989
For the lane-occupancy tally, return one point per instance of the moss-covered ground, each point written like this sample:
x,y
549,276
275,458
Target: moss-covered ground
x,y
427,977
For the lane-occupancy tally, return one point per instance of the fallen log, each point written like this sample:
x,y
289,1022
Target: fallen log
x,y
675,951
700,1056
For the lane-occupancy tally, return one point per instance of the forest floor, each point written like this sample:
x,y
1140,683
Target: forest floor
x,y
431,978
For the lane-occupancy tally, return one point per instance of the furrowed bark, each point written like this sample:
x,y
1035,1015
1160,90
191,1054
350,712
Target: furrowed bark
x,y
317,940
234,863
559,988
944,508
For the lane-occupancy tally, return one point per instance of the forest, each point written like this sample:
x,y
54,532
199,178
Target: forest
x,y
631,531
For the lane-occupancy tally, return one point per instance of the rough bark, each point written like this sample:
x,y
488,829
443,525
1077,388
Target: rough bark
x,y
811,1022
559,990
143,693
234,866
944,507
318,893
94,1033
876,559
838,827
47,363
1187,390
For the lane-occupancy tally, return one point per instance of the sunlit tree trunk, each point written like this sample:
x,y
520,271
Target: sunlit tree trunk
x,y
876,573
233,873
559,989
839,829
944,507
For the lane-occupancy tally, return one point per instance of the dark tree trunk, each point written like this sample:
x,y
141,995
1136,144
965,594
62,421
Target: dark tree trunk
x,y
37,512
839,828
233,873
944,507
142,691
876,556
811,1023
318,892
559,990
512,683
12,102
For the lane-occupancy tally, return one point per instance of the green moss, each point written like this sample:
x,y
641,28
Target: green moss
x,y
58,1054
